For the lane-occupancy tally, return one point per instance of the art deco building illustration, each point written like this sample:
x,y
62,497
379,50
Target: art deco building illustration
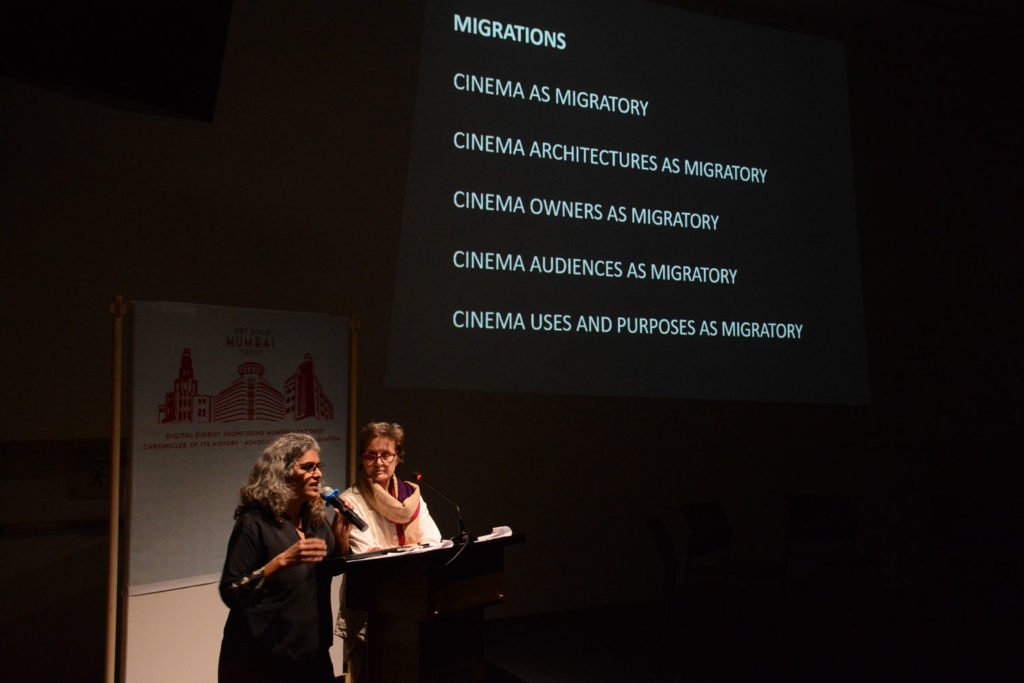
x,y
178,404
304,397
250,397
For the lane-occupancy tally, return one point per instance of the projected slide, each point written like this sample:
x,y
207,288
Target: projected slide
x,y
621,198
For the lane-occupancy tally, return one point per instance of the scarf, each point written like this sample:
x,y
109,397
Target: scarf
x,y
400,505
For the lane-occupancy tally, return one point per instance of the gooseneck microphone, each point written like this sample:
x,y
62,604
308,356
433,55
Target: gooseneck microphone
x,y
463,537
333,498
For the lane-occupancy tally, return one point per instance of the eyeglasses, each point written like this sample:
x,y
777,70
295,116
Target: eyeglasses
x,y
310,466
384,456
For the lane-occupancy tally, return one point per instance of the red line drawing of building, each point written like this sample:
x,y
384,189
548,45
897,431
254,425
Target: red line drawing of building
x,y
248,398
303,395
178,404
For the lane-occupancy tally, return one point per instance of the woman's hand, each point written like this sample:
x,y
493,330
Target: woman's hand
x,y
305,550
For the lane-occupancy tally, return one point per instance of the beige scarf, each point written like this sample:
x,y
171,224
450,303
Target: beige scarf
x,y
405,515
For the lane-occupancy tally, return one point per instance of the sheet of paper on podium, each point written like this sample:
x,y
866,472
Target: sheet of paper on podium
x,y
401,550
496,533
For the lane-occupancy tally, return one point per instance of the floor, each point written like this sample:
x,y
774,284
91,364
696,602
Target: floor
x,y
926,627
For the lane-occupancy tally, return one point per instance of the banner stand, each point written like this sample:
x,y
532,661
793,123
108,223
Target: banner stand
x,y
353,381
118,310
119,654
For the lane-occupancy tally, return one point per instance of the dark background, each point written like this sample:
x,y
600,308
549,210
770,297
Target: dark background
x,y
254,154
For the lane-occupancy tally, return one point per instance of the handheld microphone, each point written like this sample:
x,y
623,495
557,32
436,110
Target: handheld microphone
x,y
333,498
463,537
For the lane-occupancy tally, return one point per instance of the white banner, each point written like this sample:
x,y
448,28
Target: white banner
x,y
210,386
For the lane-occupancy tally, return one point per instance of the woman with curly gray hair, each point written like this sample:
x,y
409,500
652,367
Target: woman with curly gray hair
x,y
277,575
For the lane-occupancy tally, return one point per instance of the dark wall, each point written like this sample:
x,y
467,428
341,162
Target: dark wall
x,y
290,198
934,107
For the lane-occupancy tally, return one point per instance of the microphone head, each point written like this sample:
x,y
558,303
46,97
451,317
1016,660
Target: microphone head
x,y
326,491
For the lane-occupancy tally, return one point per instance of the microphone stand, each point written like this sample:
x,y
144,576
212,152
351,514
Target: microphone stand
x,y
463,537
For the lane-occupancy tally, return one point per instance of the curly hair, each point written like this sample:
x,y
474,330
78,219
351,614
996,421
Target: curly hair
x,y
270,481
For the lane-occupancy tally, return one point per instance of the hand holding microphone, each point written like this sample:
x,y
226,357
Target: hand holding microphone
x,y
333,498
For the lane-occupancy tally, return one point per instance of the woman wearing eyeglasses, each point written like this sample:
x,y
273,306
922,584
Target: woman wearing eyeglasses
x,y
277,575
395,515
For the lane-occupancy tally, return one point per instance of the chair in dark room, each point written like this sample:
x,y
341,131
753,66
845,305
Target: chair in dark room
x,y
975,543
709,559
696,557
699,558
695,550
668,554
821,534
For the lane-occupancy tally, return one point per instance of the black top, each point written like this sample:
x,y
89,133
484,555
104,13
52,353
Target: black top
x,y
288,615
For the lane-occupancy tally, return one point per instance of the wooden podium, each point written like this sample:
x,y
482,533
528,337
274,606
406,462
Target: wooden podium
x,y
426,610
